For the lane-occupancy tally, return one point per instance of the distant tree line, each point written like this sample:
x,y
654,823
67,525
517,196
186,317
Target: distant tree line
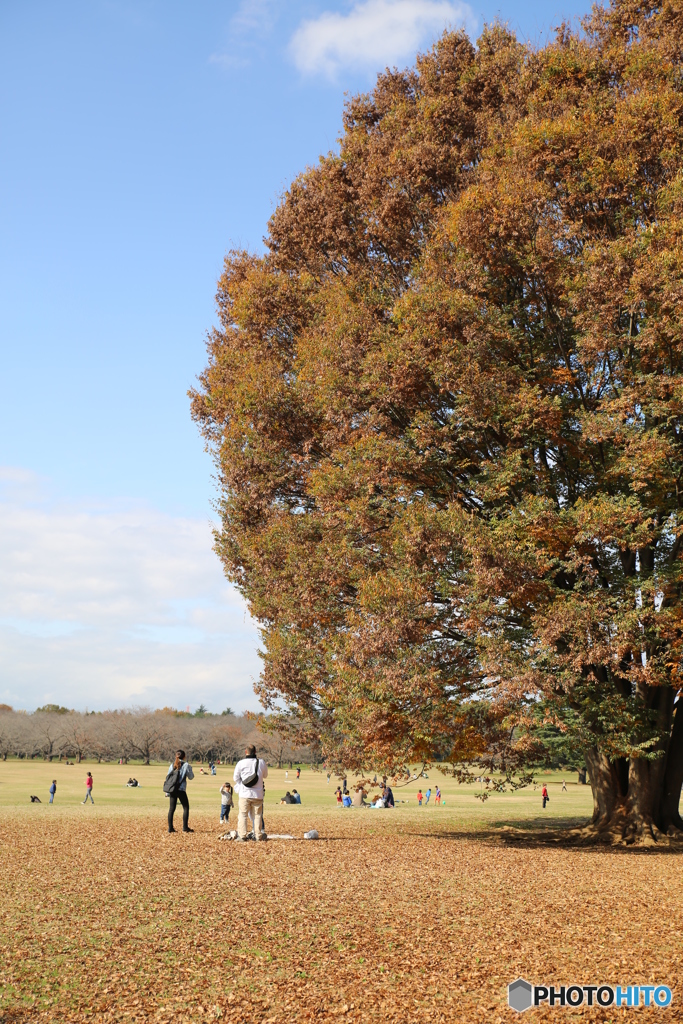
x,y
141,734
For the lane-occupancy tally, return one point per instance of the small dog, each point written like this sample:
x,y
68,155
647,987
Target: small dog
x,y
36,800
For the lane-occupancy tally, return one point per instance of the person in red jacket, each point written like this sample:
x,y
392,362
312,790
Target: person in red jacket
x,y
544,794
419,799
88,789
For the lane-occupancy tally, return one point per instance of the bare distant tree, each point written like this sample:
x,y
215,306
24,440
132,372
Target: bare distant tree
x,y
227,741
77,735
105,743
25,736
276,747
9,732
179,735
202,740
142,733
49,733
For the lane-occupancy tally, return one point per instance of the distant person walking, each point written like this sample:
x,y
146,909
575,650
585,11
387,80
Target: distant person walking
x,y
298,773
226,800
179,792
544,794
564,785
419,798
88,788
53,790
248,778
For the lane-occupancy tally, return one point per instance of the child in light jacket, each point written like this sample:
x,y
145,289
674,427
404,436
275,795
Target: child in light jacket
x,y
226,800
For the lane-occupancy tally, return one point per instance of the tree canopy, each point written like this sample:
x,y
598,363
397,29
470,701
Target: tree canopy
x,y
446,409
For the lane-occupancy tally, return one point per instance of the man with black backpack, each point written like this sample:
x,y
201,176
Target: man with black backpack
x,y
248,778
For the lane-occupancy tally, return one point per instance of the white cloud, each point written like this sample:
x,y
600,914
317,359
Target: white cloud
x,y
374,34
251,22
111,607
255,16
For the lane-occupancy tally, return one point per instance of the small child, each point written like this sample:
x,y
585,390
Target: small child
x,y
428,794
437,796
226,800
339,796
419,798
53,790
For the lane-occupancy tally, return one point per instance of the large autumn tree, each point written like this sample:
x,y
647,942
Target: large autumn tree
x,y
446,409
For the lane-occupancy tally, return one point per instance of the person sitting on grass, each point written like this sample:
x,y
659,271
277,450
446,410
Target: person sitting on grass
x,y
388,796
297,797
359,798
346,800
288,798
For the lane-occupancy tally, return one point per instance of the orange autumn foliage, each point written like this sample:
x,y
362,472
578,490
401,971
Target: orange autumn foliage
x,y
446,410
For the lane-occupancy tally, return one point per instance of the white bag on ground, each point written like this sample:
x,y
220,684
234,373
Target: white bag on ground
x,y
311,835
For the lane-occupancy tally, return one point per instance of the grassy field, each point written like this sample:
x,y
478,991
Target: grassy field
x,y
20,779
417,914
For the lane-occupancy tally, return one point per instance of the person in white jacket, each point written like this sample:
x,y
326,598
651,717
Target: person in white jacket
x,y
254,770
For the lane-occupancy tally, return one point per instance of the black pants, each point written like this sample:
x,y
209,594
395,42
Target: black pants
x,y
172,802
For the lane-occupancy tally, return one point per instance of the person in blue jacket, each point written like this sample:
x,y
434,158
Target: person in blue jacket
x,y
53,790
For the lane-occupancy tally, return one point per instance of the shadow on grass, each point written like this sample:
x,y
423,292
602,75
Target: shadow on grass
x,y
560,833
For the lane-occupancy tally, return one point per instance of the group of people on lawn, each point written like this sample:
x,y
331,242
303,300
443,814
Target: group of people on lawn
x,y
385,798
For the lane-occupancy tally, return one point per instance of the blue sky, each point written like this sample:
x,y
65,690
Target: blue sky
x,y
141,139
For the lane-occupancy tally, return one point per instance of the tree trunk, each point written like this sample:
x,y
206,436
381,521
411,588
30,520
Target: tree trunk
x,y
637,801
